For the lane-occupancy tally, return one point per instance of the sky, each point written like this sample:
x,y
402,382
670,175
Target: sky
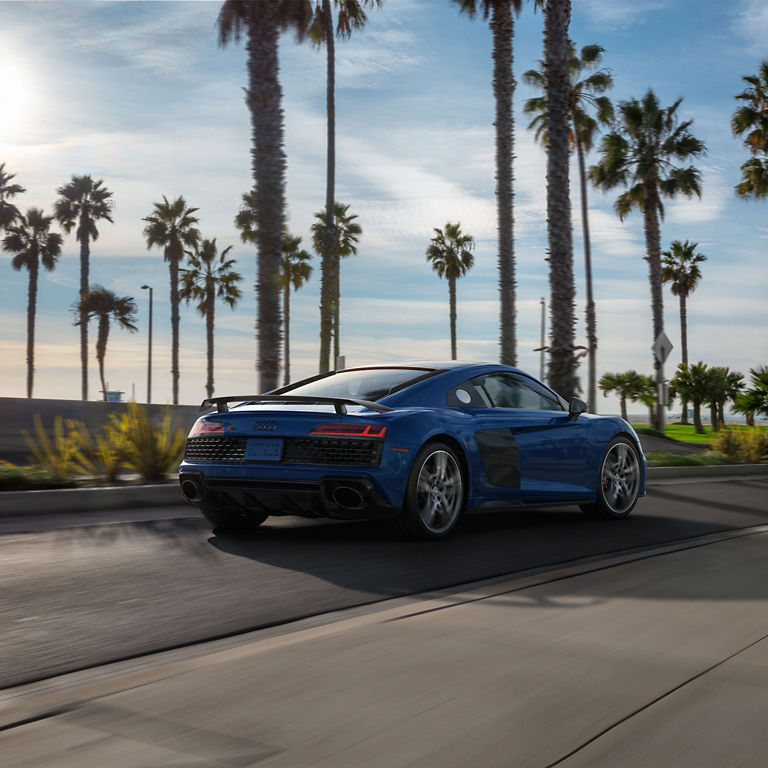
x,y
140,95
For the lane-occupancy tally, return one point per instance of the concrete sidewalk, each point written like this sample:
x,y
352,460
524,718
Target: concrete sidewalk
x,y
650,659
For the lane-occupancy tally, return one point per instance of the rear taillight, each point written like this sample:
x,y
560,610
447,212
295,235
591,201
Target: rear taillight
x,y
203,427
350,430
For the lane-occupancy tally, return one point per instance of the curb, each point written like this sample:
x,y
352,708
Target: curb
x,y
14,503
704,472
89,499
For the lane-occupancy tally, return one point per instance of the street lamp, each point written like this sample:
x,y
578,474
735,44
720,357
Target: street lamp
x,y
149,346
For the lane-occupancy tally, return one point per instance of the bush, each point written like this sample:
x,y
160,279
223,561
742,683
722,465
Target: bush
x,y
14,478
748,445
56,456
153,452
103,457
129,440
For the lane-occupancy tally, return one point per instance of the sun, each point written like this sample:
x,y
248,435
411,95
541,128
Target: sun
x,y
17,99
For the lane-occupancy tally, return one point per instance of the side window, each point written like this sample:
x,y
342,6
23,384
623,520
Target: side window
x,y
468,394
510,391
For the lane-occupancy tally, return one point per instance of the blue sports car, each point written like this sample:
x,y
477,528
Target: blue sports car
x,y
418,443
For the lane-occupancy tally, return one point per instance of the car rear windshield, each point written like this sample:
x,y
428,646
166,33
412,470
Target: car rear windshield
x,y
366,384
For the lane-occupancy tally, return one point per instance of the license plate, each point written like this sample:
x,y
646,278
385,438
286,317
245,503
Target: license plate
x,y
264,449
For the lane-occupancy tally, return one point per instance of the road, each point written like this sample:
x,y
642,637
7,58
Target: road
x,y
78,597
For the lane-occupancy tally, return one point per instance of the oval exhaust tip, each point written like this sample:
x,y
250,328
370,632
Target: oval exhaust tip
x,y
191,490
349,498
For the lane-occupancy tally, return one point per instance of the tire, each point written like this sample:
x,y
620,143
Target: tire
x,y
435,495
231,520
618,484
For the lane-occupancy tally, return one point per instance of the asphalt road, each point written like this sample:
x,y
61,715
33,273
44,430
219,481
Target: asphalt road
x,y
81,596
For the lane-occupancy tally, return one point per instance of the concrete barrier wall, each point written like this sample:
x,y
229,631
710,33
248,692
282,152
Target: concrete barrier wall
x,y
17,413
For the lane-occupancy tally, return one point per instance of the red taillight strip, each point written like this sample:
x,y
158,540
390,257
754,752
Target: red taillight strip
x,y
206,427
350,430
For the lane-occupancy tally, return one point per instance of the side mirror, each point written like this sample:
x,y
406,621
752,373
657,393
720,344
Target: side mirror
x,y
576,407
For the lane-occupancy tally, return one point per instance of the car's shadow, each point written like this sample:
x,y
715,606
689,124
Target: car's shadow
x,y
363,558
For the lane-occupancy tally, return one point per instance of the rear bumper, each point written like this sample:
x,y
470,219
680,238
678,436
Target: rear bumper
x,y
335,497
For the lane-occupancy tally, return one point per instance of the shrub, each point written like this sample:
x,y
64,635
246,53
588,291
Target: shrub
x,y
748,445
14,478
102,457
53,456
152,451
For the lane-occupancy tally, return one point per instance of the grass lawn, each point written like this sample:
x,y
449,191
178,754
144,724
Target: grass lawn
x,y
678,460
686,433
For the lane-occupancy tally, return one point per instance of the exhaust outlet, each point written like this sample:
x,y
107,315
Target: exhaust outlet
x,y
349,498
191,491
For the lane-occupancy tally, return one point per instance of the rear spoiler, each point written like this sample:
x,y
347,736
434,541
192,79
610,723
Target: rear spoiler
x,y
339,403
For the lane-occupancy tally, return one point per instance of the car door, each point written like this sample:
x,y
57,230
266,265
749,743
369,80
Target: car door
x,y
528,441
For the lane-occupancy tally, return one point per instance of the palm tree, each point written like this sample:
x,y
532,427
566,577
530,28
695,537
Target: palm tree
x,y
83,202
345,236
646,393
734,386
9,213
585,96
640,154
680,268
107,306
755,399
693,382
261,23
500,17
562,357
210,276
450,253
350,15
171,226
626,385
295,270
751,121
33,244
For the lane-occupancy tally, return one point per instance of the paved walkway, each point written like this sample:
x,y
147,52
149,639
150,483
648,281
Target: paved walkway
x,y
653,659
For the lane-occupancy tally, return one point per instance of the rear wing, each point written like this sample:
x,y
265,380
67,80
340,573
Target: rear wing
x,y
339,403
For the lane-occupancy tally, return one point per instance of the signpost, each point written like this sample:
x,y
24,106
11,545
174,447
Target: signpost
x,y
661,349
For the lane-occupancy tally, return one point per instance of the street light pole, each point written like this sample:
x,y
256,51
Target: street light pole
x,y
543,341
149,346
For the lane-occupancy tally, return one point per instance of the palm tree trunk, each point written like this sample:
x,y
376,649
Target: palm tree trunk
x,y
697,425
31,309
101,350
503,30
287,334
684,347
713,417
326,279
173,268
452,313
721,413
653,251
268,166
562,363
590,314
85,259
209,320
623,402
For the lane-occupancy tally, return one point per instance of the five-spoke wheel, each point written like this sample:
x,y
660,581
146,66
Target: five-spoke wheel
x,y
619,482
435,494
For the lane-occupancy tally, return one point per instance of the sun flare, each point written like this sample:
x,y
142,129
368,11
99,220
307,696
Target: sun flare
x,y
17,99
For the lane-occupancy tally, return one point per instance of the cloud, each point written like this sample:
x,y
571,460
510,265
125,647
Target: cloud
x,y
750,23
715,194
622,13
